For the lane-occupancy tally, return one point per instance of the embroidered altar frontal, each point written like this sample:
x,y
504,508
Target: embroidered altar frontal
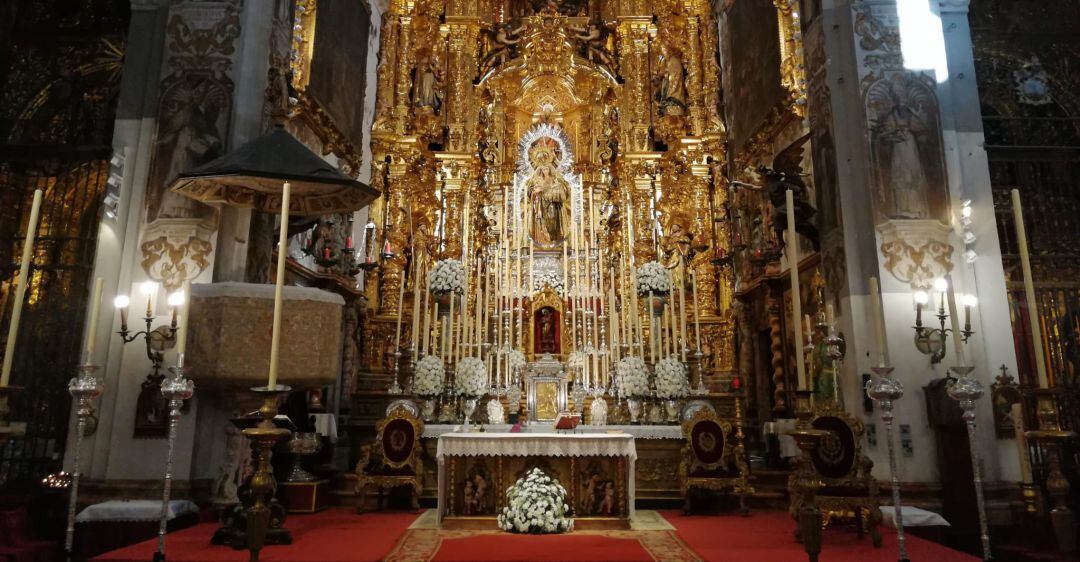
x,y
597,471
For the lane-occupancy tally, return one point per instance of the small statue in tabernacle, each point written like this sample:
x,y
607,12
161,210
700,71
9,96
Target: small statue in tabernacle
x,y
468,506
607,506
480,491
589,499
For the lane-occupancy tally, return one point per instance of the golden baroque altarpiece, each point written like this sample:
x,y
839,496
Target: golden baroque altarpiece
x,y
550,146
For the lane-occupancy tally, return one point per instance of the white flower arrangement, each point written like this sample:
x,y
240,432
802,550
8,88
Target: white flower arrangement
x,y
515,359
429,377
447,276
576,360
471,377
536,504
552,279
653,277
633,377
671,381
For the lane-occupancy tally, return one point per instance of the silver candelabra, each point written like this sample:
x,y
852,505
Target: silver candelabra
x,y
885,390
966,390
176,389
84,388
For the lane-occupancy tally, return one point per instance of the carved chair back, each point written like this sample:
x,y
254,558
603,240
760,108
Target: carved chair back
x,y
397,443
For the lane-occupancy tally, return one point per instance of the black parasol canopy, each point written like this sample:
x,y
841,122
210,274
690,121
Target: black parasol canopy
x,y
252,175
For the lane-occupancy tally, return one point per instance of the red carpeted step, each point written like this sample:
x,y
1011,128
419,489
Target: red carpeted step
x,y
330,536
541,548
769,537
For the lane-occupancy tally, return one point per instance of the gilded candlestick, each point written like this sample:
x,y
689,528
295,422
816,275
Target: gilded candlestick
x,y
263,438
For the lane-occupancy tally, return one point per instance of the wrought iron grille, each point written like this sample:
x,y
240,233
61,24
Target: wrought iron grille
x,y
49,339
60,67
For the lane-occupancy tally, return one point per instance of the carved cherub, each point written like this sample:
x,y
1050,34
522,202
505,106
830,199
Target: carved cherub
x,y
787,173
592,38
505,37
469,505
607,507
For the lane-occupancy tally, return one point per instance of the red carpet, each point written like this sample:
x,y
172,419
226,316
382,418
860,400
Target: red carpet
x,y
423,545
336,535
541,548
343,536
769,537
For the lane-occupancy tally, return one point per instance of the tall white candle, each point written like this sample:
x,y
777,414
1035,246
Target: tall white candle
x,y
954,320
279,286
185,320
418,266
681,340
796,299
697,317
20,289
878,318
426,346
400,309
1029,292
91,326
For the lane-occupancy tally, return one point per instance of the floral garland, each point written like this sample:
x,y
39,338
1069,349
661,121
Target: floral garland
x,y
429,377
671,381
633,377
447,276
652,277
536,504
470,378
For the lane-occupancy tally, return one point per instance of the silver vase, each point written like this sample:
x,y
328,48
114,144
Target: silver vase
x,y
671,406
633,405
468,406
427,409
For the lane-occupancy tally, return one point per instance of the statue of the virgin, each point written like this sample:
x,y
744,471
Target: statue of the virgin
x,y
549,193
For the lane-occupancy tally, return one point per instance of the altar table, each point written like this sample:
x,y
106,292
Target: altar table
x,y
584,463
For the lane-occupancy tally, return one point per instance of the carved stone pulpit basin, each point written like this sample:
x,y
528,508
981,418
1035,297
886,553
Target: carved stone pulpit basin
x,y
229,335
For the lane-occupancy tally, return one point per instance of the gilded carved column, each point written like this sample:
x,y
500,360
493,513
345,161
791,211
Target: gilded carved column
x,y
633,34
388,56
693,76
403,81
398,185
461,68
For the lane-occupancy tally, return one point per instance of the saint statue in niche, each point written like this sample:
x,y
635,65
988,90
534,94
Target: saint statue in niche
x,y
903,134
671,84
427,84
546,332
549,193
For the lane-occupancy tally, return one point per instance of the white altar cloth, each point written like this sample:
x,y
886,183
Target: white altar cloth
x,y
134,510
535,444
638,431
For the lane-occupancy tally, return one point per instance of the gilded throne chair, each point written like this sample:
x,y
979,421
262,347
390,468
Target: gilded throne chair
x,y
713,459
848,492
393,460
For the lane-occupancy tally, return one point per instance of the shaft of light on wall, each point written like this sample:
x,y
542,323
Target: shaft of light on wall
x,y
922,39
